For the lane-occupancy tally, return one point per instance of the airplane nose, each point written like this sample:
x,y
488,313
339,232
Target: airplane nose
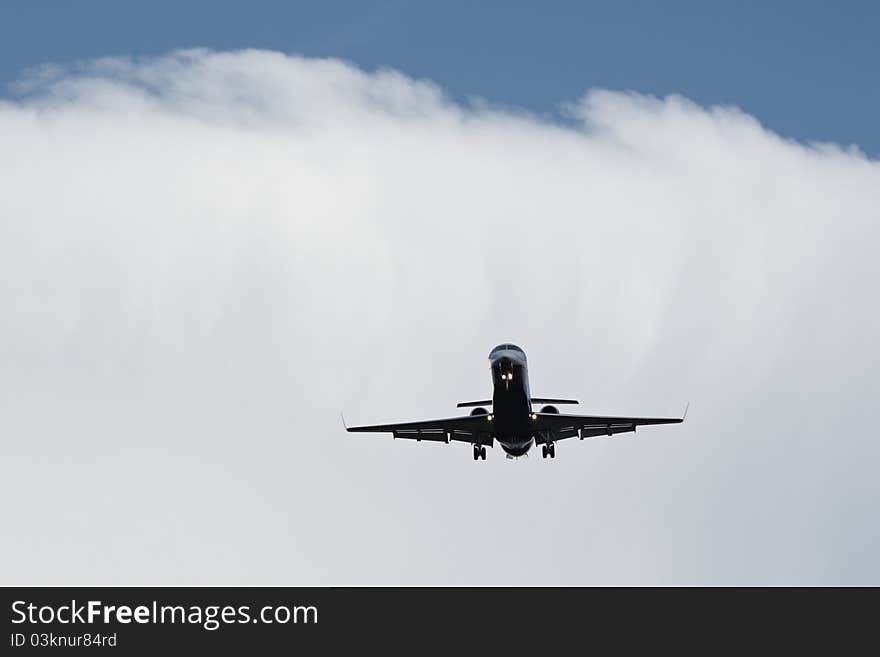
x,y
504,367
505,363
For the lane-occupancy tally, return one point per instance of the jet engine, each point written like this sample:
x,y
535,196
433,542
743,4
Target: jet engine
x,y
479,410
550,409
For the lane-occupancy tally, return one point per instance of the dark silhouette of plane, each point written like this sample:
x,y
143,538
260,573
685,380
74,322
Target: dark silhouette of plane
x,y
512,422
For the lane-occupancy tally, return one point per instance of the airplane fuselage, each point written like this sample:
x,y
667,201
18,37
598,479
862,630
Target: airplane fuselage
x,y
511,399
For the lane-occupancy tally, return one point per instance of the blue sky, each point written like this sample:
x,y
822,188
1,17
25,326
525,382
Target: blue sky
x,y
807,70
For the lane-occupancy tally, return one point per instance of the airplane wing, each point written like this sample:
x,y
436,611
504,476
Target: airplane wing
x,y
556,426
467,429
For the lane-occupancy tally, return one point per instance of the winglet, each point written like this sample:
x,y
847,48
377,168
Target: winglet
x,y
686,407
343,420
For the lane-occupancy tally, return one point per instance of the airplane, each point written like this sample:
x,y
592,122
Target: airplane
x,y
512,422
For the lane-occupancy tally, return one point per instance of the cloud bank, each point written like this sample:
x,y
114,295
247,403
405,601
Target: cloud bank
x,y
204,257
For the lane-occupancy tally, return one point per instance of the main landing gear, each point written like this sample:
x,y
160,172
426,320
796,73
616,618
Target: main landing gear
x,y
548,450
479,452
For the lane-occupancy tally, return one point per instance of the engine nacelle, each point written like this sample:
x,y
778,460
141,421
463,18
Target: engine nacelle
x,y
550,409
479,410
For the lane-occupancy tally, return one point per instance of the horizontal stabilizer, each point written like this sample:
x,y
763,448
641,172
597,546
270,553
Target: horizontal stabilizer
x,y
484,402
549,400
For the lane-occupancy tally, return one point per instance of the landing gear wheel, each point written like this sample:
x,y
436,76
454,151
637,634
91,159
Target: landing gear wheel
x,y
476,452
543,451
551,449
483,452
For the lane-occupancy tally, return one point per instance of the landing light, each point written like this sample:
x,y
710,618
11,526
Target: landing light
x,y
534,416
489,417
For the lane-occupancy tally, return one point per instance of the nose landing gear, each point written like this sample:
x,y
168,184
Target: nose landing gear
x,y
479,452
548,450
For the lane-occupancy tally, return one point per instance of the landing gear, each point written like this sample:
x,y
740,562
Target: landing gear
x,y
479,452
549,450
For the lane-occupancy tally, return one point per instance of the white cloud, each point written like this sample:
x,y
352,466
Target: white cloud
x,y
205,256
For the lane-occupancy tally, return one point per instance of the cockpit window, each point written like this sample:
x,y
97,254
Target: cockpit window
x,y
503,347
